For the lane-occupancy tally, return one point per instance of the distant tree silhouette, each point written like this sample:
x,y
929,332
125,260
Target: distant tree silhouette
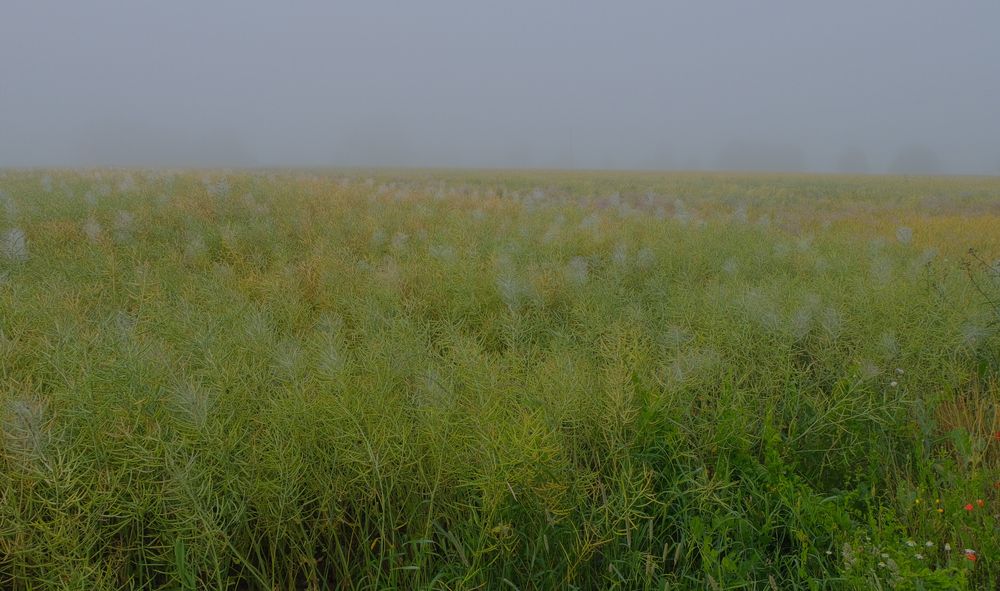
x,y
853,160
146,145
762,156
916,159
693,163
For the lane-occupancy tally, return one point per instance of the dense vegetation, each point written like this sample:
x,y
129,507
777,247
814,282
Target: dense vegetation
x,y
490,380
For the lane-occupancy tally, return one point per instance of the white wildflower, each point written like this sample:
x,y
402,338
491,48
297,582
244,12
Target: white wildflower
x,y
850,559
15,245
881,270
590,222
123,226
889,344
192,403
442,252
219,188
645,257
289,357
330,362
919,263
821,265
253,205
674,337
24,426
802,322
972,335
512,291
761,308
7,345
257,327
693,365
195,247
681,213
9,206
400,240
92,228
577,271
554,232
831,322
740,214
125,323
869,369
620,254
433,393
126,184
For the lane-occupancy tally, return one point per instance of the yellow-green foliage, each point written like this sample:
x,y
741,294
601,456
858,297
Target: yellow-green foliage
x,y
430,379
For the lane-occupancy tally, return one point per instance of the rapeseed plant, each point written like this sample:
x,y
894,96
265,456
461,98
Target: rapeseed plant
x,y
408,379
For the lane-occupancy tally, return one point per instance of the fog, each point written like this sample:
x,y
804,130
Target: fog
x,y
852,86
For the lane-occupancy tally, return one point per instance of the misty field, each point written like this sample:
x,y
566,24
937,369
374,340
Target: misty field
x,y
498,380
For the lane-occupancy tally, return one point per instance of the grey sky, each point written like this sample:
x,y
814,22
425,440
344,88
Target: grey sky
x,y
876,85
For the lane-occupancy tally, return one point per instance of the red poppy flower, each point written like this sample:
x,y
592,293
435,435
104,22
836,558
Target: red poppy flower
x,y
968,507
980,502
